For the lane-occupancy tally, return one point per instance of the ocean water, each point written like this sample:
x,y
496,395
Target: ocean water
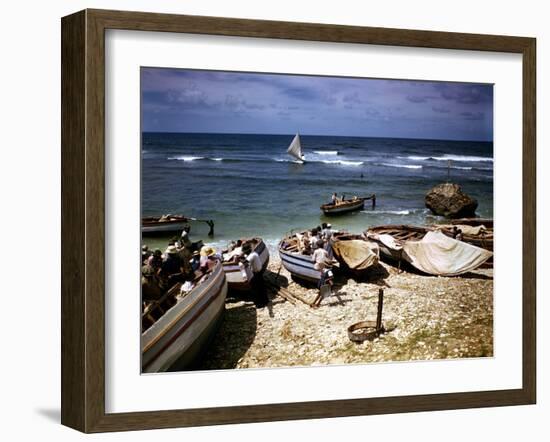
x,y
250,187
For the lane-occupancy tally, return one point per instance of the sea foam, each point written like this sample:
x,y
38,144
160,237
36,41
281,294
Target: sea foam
x,y
185,158
326,152
404,166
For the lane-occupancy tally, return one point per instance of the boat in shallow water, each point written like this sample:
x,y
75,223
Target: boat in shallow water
x,y
346,206
163,224
239,274
177,328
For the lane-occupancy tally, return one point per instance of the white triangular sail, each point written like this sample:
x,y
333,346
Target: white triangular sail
x,y
295,149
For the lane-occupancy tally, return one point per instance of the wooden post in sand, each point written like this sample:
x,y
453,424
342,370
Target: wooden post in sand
x,y
379,313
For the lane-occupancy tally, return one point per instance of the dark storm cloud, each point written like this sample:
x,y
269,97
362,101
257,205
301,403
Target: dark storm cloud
x,y
211,101
465,94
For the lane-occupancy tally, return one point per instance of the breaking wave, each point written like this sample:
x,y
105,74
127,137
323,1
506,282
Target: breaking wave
x,y
326,152
404,166
342,162
461,158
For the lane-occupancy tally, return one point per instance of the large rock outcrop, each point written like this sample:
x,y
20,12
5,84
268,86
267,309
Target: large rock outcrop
x,y
448,200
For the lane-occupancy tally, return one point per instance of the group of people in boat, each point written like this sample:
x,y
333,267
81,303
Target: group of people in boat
x,y
335,200
183,261
245,252
310,240
316,243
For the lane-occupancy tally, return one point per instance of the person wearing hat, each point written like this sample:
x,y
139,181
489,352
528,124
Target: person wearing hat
x,y
206,255
145,253
195,261
326,232
257,282
155,260
150,284
171,267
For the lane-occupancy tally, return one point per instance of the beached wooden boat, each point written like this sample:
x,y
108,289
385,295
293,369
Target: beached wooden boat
x,y
239,275
299,265
487,222
346,206
163,224
479,237
176,330
427,249
476,231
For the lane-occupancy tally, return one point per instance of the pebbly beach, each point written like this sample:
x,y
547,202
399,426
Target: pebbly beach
x,y
426,317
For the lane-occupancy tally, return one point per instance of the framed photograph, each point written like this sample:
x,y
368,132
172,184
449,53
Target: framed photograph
x,y
330,221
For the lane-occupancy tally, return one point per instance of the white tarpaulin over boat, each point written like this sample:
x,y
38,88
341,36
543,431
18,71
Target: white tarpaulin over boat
x,y
295,149
357,254
438,254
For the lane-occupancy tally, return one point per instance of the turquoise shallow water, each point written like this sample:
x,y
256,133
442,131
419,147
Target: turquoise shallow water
x,y
249,186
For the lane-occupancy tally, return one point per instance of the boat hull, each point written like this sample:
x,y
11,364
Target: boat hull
x,y
163,227
329,209
299,266
239,277
179,336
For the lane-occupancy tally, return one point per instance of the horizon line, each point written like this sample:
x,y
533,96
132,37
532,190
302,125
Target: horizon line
x,y
313,135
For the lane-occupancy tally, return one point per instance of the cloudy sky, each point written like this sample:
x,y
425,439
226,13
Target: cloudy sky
x,y
175,100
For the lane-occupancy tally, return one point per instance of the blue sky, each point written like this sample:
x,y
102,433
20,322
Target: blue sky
x,y
178,100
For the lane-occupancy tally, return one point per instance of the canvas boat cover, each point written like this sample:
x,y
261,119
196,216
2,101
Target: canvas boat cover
x,y
356,253
389,241
437,254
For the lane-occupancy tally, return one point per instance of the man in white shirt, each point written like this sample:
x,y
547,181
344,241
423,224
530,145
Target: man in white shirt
x,y
258,286
320,256
321,261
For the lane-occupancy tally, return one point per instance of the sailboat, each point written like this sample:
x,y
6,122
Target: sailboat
x,y
295,150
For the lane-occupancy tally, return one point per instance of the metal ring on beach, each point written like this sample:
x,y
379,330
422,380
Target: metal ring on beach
x,y
362,331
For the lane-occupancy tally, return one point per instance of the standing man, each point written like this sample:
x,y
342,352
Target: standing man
x,y
258,285
185,237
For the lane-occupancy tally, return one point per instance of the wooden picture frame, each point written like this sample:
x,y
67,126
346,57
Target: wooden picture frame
x,y
83,220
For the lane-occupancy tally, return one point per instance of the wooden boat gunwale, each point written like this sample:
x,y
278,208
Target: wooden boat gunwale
x,y
305,259
159,331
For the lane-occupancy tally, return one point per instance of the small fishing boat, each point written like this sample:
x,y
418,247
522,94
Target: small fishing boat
x,y
163,224
237,272
295,150
299,265
428,250
476,231
346,206
177,328
476,235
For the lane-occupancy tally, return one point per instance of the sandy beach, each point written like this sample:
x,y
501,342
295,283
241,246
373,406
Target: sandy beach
x,y
426,318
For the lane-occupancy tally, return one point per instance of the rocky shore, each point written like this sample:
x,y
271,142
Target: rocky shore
x,y
426,318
